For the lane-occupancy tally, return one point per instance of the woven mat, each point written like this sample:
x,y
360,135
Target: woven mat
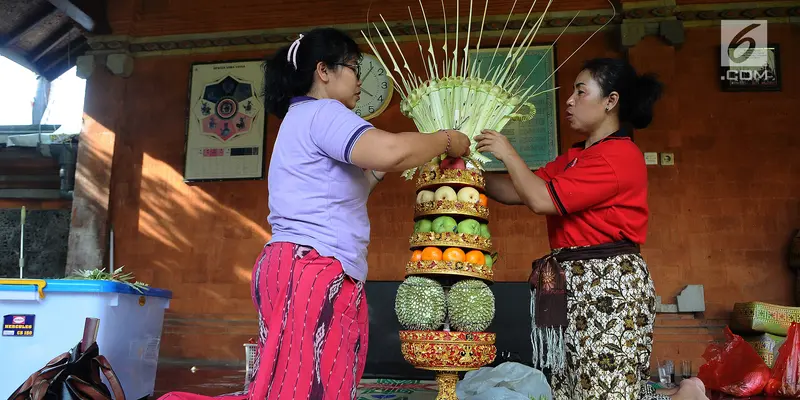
x,y
391,389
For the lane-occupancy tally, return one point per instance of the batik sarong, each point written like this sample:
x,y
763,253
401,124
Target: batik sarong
x,y
592,312
609,335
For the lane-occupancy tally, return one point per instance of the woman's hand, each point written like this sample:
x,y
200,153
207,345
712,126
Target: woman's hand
x,y
459,144
495,143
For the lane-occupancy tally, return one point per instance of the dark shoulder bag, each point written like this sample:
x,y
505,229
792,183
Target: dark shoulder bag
x,y
73,375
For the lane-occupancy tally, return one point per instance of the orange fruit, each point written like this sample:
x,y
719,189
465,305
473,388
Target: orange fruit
x,y
431,254
476,257
453,254
416,255
483,200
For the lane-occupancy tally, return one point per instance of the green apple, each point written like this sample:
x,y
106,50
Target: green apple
x,y
489,260
444,223
423,225
469,226
485,231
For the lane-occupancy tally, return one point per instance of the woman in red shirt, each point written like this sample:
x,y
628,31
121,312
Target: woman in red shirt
x,y
593,301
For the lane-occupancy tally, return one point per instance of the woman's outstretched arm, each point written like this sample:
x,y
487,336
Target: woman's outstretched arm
x,y
500,188
531,189
393,152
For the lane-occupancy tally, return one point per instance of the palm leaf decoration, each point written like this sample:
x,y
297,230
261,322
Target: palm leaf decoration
x,y
463,95
115,276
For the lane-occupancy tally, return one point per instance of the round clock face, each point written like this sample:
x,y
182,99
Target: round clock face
x,y
376,88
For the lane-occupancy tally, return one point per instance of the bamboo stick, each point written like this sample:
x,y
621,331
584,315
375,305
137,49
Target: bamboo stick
x,y
467,95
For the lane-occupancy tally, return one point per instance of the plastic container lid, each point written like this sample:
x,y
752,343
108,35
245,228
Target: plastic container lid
x,y
87,286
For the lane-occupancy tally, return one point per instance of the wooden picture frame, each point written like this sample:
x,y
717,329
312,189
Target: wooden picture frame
x,y
746,79
226,122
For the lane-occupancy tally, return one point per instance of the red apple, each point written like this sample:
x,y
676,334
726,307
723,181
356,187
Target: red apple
x,y
453,163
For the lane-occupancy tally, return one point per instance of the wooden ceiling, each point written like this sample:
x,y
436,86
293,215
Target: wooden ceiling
x,y
46,36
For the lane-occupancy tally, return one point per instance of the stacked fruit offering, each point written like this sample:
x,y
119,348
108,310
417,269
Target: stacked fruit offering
x,y
451,232
445,302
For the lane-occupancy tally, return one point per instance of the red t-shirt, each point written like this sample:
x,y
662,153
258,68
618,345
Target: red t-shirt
x,y
600,193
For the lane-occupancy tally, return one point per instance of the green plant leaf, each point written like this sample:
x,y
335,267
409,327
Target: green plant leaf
x,y
116,276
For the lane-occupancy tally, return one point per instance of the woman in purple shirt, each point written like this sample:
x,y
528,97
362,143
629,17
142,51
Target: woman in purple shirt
x,y
308,282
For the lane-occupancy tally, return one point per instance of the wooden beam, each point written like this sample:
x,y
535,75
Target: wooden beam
x,y
72,51
77,15
52,41
56,204
34,22
6,179
32,194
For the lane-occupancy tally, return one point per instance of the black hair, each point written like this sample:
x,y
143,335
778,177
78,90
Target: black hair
x,y
637,93
282,81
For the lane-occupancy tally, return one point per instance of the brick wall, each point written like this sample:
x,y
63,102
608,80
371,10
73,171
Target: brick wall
x,y
721,217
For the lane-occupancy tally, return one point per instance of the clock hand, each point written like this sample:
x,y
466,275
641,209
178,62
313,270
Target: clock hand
x,y
365,91
368,72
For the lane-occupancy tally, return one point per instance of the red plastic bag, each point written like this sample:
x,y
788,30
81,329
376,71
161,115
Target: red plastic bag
x,y
734,367
786,371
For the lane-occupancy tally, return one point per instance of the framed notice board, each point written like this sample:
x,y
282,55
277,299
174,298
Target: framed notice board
x,y
226,122
536,140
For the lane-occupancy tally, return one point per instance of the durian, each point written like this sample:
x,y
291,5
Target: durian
x,y
470,305
420,304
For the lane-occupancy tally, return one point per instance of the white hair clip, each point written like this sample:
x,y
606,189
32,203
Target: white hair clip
x,y
292,55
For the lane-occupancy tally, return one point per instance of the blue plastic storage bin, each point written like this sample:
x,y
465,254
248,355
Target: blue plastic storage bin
x,y
44,318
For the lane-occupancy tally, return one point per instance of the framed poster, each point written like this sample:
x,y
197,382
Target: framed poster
x,y
226,122
766,78
536,140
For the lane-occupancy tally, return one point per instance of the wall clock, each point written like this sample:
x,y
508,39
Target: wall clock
x,y
376,88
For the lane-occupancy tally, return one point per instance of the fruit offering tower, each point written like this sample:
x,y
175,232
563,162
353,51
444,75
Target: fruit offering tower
x,y
445,303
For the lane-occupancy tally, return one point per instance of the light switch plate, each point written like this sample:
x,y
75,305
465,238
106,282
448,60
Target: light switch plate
x,y
651,158
667,159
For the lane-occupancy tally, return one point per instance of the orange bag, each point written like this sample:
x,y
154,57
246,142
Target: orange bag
x,y
786,371
734,367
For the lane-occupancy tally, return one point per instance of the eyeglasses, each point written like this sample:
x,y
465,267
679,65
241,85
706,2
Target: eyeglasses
x,y
355,67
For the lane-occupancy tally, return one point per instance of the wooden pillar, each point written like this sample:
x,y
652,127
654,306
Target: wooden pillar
x,y
103,115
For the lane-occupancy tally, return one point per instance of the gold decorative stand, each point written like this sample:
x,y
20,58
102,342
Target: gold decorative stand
x,y
447,353
450,256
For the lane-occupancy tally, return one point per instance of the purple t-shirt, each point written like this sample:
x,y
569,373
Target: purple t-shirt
x,y
316,196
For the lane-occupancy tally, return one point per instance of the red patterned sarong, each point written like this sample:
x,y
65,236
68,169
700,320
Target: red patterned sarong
x,y
310,315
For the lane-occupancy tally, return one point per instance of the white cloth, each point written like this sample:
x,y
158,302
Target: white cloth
x,y
507,381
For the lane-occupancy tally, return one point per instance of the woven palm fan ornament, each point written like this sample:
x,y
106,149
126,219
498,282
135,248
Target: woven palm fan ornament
x,y
458,95
445,302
